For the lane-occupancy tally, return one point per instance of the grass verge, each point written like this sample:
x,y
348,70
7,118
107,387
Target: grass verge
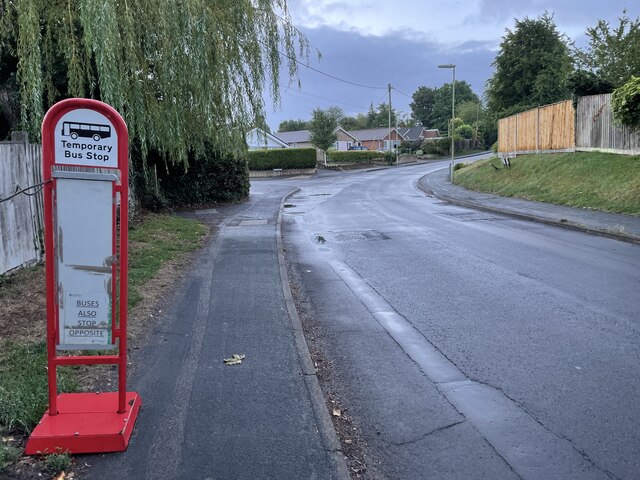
x,y
153,241
594,180
23,385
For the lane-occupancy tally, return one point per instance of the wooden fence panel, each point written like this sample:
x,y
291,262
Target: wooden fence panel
x,y
542,129
21,218
596,129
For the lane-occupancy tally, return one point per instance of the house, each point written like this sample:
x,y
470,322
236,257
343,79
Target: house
x,y
302,139
296,139
377,138
345,139
418,133
258,138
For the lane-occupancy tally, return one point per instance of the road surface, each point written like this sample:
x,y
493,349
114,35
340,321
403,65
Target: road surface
x,y
467,344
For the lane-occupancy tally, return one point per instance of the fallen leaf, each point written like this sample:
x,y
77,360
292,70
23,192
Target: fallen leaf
x,y
337,413
234,360
60,477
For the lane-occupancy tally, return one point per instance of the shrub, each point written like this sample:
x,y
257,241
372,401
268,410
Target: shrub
x,y
355,156
410,145
464,131
8,455
285,158
57,462
436,146
583,83
625,103
458,166
211,177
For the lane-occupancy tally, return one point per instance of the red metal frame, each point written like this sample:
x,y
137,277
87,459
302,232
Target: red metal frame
x,y
127,404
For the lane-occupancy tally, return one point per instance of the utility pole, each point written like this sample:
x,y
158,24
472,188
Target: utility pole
x,y
389,119
453,113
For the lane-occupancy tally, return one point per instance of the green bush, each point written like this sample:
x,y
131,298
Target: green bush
x,y
211,177
355,156
285,158
436,146
458,166
57,462
8,455
410,145
625,103
464,131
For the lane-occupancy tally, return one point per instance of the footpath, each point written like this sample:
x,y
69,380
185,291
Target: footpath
x,y
621,227
262,418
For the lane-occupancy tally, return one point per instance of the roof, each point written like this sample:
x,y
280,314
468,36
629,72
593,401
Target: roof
x,y
371,133
257,138
297,136
413,133
339,128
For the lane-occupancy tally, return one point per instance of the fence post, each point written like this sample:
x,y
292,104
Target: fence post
x,y
515,143
538,130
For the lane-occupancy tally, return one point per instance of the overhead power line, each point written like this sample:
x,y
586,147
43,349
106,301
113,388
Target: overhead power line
x,y
331,76
401,92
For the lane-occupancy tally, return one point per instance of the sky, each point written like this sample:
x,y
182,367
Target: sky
x,y
375,42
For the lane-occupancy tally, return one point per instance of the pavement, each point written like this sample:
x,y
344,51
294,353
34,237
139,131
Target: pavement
x,y
618,226
264,418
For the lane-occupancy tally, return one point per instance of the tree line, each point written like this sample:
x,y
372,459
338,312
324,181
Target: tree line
x,y
535,65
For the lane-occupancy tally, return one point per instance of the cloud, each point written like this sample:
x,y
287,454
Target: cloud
x,y
376,61
375,43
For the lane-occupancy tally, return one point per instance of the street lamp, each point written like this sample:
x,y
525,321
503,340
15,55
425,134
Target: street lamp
x,y
453,110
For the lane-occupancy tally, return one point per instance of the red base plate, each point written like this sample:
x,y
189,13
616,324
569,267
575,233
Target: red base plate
x,y
86,423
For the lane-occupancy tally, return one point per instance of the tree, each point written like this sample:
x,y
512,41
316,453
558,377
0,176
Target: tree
x,y
469,111
322,127
583,82
531,67
442,102
612,55
293,125
382,116
182,73
358,122
432,106
422,105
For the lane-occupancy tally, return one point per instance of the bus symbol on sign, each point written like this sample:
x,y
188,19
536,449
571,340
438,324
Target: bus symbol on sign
x,y
87,130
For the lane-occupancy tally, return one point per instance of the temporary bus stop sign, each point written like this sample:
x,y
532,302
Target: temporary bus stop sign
x,y
85,150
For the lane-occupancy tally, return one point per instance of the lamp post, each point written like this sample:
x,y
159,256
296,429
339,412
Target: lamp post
x,y
453,111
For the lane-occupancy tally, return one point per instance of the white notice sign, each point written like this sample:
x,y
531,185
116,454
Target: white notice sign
x,y
86,137
87,319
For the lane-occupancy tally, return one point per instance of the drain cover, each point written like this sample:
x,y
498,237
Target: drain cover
x,y
246,223
357,236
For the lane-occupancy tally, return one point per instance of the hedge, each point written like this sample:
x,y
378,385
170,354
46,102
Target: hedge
x,y
210,178
285,158
356,156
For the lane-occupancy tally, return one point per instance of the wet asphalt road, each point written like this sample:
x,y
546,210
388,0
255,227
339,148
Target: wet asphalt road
x,y
467,344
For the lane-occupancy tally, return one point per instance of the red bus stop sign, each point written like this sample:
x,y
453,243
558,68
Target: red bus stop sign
x,y
85,155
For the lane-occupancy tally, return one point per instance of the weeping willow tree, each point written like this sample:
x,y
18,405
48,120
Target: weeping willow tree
x,y
181,72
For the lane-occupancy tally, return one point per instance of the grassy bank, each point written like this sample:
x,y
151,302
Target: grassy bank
x,y
154,241
595,180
